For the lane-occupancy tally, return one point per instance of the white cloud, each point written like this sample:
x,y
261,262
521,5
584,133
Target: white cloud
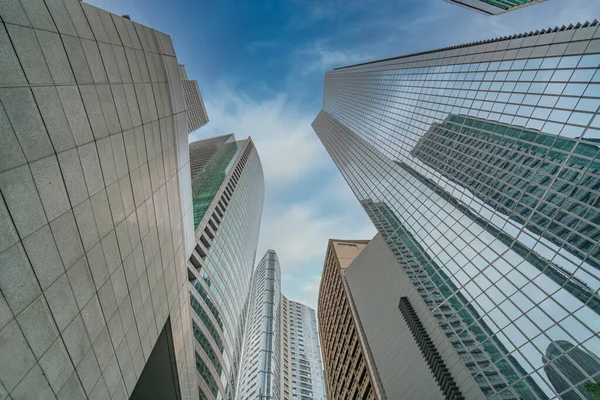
x,y
288,147
321,57
307,201
430,25
299,231
309,292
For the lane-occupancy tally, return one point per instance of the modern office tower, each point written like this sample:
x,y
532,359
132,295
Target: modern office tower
x,y
301,366
227,195
196,112
478,164
507,162
494,7
349,373
260,374
202,151
574,365
96,213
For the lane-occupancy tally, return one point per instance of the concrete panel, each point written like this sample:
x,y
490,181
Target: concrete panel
x,y
376,283
80,180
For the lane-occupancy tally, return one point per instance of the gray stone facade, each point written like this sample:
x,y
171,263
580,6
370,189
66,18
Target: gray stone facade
x,y
96,210
196,112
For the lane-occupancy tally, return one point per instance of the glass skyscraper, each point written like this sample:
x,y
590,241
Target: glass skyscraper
x,y
260,375
478,164
227,192
574,364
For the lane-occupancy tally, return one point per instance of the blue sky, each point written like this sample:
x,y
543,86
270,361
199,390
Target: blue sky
x,y
260,67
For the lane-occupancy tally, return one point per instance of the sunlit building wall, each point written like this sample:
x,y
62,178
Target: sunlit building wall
x,y
95,207
348,368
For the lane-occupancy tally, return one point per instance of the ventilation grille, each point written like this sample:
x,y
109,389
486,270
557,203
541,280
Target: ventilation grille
x,y
432,357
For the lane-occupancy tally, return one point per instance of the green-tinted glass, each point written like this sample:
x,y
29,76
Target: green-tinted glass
x,y
207,182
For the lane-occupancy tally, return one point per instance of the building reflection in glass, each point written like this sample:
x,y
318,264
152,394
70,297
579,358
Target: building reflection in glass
x,y
496,299
548,183
485,356
569,368
485,156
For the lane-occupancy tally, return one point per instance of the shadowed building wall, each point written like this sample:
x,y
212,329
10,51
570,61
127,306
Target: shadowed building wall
x,y
196,111
345,359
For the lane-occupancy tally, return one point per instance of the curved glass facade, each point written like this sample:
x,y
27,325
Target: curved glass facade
x,y
230,200
479,166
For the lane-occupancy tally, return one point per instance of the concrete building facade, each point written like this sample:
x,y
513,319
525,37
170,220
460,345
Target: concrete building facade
x,y
227,196
505,270
95,207
349,372
301,366
376,283
196,111
260,374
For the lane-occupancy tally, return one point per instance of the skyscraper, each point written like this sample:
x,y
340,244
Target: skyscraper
x,y
260,376
503,162
494,7
349,372
227,192
95,210
478,166
196,112
301,365
568,369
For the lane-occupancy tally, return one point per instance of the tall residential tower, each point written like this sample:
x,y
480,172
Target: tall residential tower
x,y
479,166
301,365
